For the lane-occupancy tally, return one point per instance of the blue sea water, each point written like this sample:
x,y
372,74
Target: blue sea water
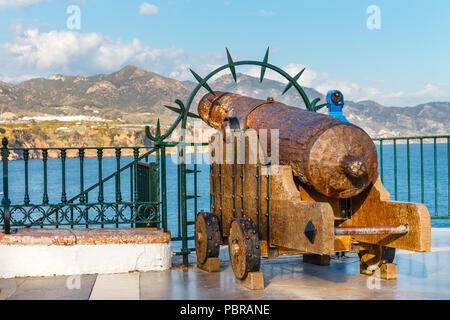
x,y
441,185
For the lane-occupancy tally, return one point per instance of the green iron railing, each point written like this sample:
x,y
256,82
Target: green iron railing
x,y
417,169
79,210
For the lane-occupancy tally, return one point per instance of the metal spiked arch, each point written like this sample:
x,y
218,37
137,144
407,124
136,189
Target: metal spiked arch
x,y
231,65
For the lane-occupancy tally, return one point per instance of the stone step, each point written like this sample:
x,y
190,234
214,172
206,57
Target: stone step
x,y
48,252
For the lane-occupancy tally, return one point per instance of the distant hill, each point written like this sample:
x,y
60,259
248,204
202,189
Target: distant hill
x,y
131,94
134,95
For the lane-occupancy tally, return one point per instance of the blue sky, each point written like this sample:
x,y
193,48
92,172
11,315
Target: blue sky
x,y
405,62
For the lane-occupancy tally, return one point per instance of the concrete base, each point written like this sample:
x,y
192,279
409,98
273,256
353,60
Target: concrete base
x,y
211,265
31,253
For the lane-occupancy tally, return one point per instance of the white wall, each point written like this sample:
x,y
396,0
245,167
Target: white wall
x,y
50,260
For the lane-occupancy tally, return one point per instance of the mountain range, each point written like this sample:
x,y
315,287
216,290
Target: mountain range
x,y
135,95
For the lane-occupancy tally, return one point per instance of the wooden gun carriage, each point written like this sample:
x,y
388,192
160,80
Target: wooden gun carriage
x,y
324,195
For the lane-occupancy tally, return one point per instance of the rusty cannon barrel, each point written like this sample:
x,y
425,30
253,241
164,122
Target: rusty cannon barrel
x,y
336,158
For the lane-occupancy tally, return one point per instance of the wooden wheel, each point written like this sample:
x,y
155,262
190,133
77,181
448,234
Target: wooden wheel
x,y
244,248
373,256
207,236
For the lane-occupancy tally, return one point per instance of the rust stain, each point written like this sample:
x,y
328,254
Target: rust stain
x,y
69,237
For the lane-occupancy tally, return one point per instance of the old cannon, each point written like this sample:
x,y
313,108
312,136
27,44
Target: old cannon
x,y
312,190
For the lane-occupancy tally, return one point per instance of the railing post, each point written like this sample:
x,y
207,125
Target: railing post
x,y
395,169
131,196
5,201
100,183
195,179
81,157
157,184
184,232
435,178
118,191
117,183
100,175
26,156
179,191
134,177
136,159
422,195
409,169
44,160
63,176
163,188
381,159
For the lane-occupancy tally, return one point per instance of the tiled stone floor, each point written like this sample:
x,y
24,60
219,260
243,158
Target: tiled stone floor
x,y
420,276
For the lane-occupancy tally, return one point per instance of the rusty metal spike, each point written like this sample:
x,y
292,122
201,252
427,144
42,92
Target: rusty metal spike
x,y
202,81
158,129
180,111
314,102
231,63
290,84
149,134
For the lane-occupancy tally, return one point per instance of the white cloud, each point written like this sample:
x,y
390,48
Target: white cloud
x,y
74,52
147,9
429,89
6,4
434,91
265,13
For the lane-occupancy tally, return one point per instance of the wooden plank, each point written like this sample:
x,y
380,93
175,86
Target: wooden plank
x,y
291,220
388,271
210,265
253,281
342,243
373,208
